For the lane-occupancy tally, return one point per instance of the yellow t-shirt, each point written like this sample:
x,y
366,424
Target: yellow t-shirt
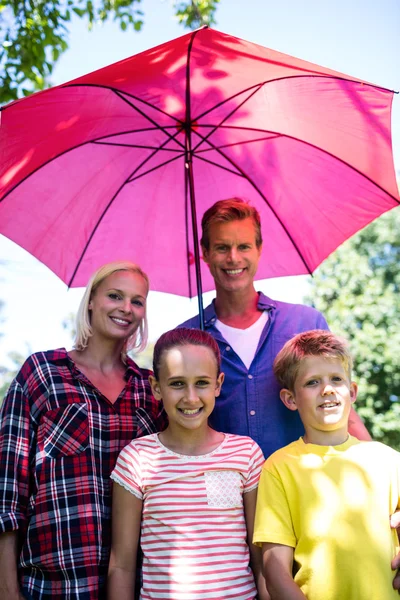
x,y
332,505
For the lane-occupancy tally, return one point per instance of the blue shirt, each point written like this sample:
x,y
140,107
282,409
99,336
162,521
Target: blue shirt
x,y
249,403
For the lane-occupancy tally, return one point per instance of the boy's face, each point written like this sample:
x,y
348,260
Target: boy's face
x,y
323,395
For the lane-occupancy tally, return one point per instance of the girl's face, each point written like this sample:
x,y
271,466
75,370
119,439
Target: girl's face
x,y
118,305
188,385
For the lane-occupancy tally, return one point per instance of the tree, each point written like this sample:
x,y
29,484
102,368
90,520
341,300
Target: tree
x,y
358,290
34,33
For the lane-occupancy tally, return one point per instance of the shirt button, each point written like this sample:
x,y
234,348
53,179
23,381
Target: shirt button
x,y
228,348
252,412
250,376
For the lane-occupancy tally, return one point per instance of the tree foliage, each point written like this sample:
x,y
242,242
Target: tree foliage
x,y
358,290
34,33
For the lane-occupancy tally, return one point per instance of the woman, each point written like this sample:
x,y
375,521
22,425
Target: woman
x,y
63,422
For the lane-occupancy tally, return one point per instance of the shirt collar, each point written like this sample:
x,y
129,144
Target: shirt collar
x,y
264,303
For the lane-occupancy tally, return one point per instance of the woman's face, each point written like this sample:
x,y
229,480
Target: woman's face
x,y
118,305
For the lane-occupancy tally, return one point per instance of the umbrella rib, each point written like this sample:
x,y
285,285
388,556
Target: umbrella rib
x,y
291,137
100,143
214,164
166,162
93,141
262,139
119,93
121,96
128,180
264,83
253,184
226,118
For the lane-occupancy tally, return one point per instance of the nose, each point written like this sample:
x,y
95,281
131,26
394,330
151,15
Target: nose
x,y
191,394
328,389
126,306
233,254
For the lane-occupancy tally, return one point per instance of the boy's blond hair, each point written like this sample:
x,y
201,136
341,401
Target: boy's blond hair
x,y
316,342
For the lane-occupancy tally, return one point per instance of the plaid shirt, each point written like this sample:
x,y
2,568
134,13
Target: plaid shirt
x,y
59,441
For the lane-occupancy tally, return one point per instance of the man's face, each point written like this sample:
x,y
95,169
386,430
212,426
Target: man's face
x,y
233,254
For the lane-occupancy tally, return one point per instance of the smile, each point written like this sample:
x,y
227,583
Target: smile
x,y
233,271
122,322
330,404
190,411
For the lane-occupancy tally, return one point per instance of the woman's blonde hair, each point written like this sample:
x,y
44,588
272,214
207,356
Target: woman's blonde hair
x,y
138,340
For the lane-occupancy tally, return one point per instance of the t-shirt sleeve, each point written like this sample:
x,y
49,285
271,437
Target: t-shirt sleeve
x,y
255,465
273,520
128,472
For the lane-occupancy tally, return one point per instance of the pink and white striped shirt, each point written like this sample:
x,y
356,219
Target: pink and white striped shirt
x,y
193,532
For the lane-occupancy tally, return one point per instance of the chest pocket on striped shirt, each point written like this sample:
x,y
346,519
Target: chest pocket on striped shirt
x,y
223,489
65,430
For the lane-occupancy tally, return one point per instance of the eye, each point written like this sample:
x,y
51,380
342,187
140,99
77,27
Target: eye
x,y
137,302
337,379
177,384
244,247
221,248
311,382
202,383
114,296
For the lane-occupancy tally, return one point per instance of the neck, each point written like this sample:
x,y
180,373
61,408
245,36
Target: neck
x,y
237,308
191,443
104,355
326,438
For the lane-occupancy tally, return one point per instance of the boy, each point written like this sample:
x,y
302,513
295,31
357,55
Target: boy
x,y
324,501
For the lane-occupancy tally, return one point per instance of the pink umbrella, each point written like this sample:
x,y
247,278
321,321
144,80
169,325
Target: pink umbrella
x,y
122,163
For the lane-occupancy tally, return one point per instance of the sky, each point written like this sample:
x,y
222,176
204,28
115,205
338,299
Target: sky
x,y
357,37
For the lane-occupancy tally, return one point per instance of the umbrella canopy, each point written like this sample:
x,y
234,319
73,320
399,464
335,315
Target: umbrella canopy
x,y
123,162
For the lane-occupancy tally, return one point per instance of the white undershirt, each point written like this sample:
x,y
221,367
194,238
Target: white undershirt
x,y
244,341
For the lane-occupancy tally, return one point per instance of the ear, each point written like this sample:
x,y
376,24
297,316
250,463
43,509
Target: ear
x,y
353,391
155,387
206,255
288,399
220,381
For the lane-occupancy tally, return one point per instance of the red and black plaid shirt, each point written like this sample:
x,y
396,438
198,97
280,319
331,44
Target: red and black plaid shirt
x,y
59,441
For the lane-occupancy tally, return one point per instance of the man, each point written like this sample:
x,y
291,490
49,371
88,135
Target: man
x,y
250,330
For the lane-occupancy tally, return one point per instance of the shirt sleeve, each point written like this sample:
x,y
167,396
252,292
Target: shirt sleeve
x,y
273,521
127,471
321,322
16,435
255,464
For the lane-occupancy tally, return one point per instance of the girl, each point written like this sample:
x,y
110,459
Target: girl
x,y
63,422
189,491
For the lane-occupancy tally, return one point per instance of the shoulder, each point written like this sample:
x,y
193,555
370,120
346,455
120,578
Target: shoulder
x,y
194,322
284,456
377,450
298,317
244,444
142,445
134,368
42,362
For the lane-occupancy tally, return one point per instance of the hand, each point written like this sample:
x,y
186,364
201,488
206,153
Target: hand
x,y
395,524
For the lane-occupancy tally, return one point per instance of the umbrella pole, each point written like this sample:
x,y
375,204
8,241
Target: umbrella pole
x,y
189,171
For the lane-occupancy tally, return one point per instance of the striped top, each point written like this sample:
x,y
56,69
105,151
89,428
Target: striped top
x,y
193,527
